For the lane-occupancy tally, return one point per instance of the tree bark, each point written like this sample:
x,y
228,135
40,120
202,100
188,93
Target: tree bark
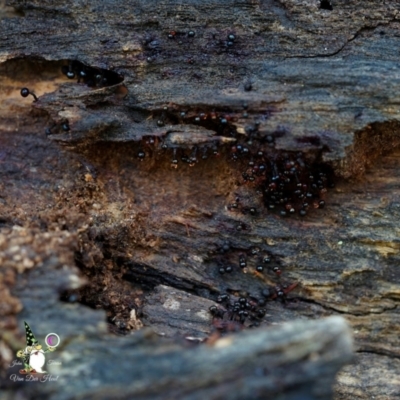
x,y
94,210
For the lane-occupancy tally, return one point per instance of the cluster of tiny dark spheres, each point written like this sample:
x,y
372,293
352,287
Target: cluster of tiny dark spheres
x,y
252,259
91,76
288,181
235,313
240,310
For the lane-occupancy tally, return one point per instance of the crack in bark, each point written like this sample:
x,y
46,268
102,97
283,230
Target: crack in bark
x,y
355,36
332,308
154,277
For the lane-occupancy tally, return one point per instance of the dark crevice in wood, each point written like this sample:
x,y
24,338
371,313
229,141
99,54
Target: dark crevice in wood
x,y
148,275
338,311
377,352
355,36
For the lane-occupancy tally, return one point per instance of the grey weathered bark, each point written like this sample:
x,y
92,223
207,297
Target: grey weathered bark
x,y
152,238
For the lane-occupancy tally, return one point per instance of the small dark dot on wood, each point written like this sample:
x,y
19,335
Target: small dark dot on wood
x,y
65,126
326,5
248,86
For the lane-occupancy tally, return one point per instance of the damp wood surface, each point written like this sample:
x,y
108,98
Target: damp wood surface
x,y
96,241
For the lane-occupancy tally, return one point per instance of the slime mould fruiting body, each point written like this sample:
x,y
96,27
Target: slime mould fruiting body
x,y
289,182
91,76
25,92
245,311
237,310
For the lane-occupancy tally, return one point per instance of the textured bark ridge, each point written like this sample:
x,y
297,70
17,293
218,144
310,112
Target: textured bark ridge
x,y
181,153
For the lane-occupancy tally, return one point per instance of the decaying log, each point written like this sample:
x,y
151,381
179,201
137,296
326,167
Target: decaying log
x,y
94,210
302,357
297,360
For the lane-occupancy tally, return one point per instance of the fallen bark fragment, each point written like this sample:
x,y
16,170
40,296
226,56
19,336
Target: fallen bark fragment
x,y
296,360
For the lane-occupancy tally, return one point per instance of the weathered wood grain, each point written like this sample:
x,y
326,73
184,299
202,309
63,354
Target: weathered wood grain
x,y
322,82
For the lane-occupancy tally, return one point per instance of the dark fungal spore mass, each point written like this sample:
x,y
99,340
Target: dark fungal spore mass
x,y
25,92
295,184
237,312
245,310
290,183
326,5
91,76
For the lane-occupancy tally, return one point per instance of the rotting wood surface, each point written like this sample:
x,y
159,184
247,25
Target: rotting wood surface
x,y
322,82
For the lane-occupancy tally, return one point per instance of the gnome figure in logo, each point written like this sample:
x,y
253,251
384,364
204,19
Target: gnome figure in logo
x,y
33,355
